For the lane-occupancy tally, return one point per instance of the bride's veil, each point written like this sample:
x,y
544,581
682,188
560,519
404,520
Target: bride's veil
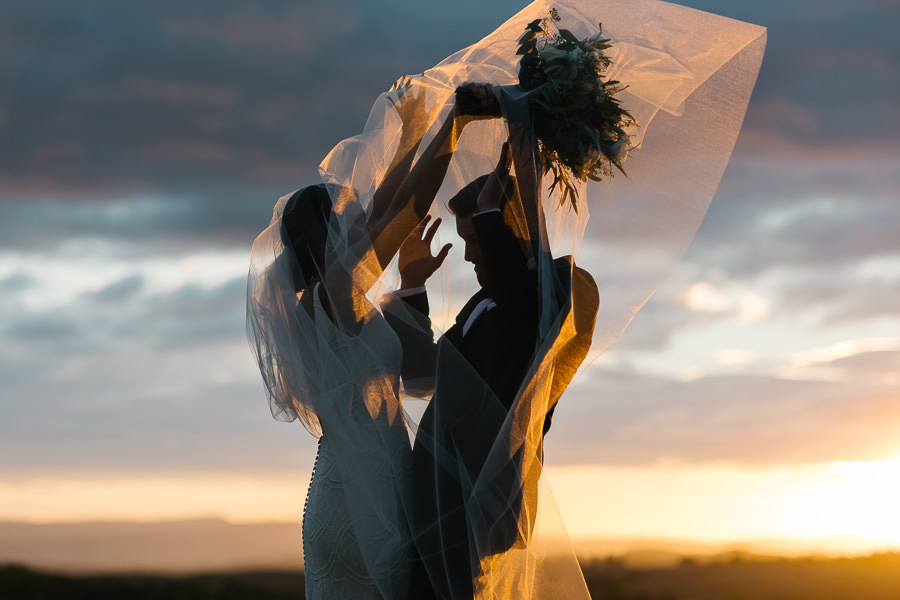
x,y
688,77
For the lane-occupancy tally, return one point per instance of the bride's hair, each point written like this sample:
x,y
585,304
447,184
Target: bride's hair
x,y
304,230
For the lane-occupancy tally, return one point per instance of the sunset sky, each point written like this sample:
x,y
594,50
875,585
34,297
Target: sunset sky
x,y
143,145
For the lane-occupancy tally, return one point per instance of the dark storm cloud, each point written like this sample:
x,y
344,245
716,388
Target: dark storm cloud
x,y
189,120
211,110
110,97
831,71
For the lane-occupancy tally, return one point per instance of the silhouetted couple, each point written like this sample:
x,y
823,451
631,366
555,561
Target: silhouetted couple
x,y
384,519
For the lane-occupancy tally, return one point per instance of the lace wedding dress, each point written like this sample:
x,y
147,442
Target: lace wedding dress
x,y
329,360
355,544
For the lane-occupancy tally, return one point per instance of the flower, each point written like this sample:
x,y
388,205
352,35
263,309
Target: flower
x,y
618,149
578,122
548,53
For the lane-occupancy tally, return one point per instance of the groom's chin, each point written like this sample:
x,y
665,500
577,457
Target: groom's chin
x,y
479,275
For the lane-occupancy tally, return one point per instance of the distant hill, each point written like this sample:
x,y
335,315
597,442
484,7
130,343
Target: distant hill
x,y
875,577
652,553
215,545
170,547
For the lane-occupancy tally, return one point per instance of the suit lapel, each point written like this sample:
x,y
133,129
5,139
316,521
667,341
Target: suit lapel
x,y
455,333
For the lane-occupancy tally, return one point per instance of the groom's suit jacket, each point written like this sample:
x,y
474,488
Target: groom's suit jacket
x,y
477,369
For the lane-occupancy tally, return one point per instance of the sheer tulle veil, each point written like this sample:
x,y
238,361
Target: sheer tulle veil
x,y
688,76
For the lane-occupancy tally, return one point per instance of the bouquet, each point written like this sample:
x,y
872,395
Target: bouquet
x,y
578,122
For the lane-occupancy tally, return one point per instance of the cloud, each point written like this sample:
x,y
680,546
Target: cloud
x,y
124,313
151,224
620,418
812,181
128,377
210,109
883,362
167,137
848,295
177,97
44,328
832,66
119,291
14,282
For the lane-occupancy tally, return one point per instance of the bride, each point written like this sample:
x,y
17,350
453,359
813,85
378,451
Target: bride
x,y
329,359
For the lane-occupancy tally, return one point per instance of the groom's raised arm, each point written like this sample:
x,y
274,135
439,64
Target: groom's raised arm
x,y
407,314
510,281
398,210
407,310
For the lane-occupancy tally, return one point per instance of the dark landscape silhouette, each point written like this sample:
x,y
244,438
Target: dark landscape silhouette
x,y
875,577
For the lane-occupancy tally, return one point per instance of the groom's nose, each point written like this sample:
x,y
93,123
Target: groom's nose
x,y
473,251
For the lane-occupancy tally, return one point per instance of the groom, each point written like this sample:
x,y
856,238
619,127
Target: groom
x,y
475,371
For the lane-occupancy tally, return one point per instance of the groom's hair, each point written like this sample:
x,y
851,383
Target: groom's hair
x,y
465,202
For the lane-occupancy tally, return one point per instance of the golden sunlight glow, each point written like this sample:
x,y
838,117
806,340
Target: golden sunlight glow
x,y
849,498
154,498
834,507
724,502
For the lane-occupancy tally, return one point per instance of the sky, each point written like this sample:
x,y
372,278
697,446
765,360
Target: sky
x,y
143,145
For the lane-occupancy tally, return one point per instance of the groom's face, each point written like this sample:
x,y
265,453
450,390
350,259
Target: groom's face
x,y
466,230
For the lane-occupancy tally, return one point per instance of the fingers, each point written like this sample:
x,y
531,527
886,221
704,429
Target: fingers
x,y
483,92
492,194
439,259
505,161
429,233
501,171
401,84
420,228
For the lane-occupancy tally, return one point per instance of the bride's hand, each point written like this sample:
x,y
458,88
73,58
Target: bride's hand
x,y
416,263
409,102
476,99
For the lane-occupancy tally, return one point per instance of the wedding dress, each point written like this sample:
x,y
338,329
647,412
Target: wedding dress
x,y
687,76
349,548
332,362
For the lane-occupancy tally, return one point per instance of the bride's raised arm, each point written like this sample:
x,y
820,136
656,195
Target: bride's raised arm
x,y
396,214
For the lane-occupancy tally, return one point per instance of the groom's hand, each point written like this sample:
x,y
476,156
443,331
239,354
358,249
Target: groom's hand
x,y
491,195
416,262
